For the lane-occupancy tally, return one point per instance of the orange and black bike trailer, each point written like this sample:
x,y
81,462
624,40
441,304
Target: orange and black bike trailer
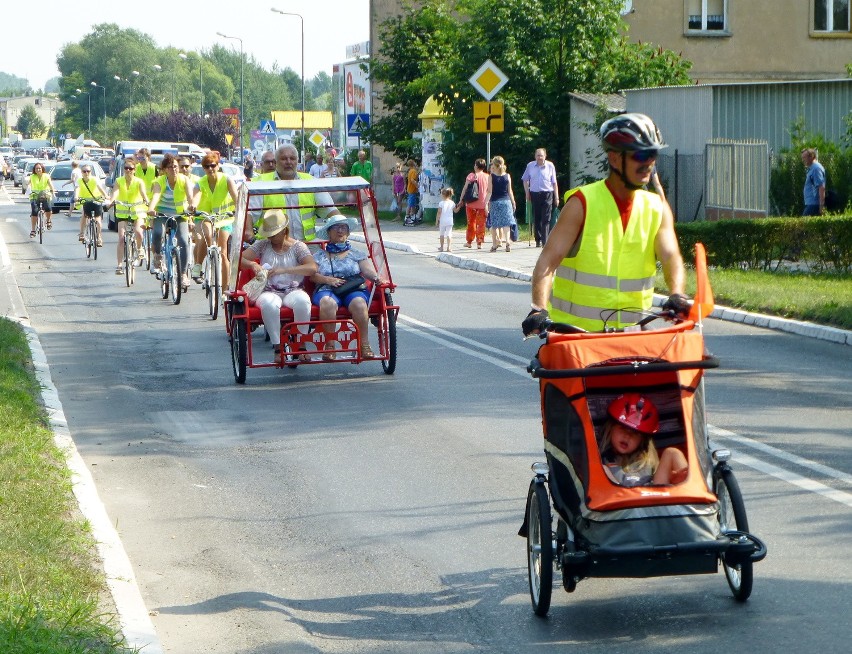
x,y
352,196
603,529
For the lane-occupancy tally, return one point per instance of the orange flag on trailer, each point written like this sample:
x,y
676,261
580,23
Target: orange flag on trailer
x,y
703,303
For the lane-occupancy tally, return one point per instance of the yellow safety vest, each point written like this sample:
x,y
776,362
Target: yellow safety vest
x,y
217,199
307,213
39,183
147,176
609,280
88,192
178,204
130,194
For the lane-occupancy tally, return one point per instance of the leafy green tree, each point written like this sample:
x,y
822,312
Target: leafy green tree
x,y
30,125
547,49
184,127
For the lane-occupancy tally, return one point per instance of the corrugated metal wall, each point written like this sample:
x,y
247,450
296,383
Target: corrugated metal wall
x,y
684,114
767,111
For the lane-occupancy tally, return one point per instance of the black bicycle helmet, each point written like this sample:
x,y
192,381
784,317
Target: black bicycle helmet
x,y
631,133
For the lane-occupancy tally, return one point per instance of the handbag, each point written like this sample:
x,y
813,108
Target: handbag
x,y
352,284
254,287
513,232
394,206
488,221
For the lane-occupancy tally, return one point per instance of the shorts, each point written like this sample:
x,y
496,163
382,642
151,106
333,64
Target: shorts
x,y
319,295
413,200
34,205
92,209
445,230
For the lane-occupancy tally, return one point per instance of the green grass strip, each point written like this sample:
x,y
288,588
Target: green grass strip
x,y
50,578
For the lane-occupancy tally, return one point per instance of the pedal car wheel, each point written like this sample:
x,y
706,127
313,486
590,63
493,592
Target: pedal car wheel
x,y
239,348
732,517
389,366
539,548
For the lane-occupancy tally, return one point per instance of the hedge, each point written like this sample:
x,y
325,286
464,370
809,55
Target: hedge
x,y
824,242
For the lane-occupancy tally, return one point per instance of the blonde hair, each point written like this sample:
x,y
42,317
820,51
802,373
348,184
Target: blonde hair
x,y
499,163
645,457
447,193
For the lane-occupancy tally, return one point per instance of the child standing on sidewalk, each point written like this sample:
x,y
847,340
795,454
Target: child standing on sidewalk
x,y
445,217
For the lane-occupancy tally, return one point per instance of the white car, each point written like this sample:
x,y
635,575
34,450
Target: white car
x,y
61,176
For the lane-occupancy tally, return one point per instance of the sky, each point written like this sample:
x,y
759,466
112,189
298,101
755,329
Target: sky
x,y
330,25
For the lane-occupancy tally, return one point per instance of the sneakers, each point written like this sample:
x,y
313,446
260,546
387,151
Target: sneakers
x,y
119,270
196,271
156,263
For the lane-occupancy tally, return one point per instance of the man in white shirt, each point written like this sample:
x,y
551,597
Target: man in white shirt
x,y
318,169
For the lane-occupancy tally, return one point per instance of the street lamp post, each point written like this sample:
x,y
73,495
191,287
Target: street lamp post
x,y
133,73
96,85
159,69
242,107
299,16
129,106
89,94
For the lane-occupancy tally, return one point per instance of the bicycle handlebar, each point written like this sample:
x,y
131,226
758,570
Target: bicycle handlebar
x,y
552,327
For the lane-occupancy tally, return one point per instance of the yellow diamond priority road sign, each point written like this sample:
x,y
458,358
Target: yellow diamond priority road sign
x,y
488,80
487,117
317,138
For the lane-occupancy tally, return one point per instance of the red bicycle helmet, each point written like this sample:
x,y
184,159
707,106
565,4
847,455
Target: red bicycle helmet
x,y
631,133
636,412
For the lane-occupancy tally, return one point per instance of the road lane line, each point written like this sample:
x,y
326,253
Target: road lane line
x,y
446,338
792,478
718,432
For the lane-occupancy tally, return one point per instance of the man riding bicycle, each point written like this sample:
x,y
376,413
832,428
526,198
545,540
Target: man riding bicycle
x,y
598,266
90,192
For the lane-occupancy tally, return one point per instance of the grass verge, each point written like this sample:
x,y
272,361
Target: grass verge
x,y
50,579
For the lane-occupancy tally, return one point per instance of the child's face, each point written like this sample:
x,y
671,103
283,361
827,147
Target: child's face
x,y
625,440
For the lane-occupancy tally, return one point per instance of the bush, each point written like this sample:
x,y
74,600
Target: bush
x,y
825,242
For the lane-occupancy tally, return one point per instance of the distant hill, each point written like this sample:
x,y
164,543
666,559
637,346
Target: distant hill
x,y
10,83
52,85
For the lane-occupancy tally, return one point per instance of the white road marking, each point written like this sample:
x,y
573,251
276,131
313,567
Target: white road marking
x,y
470,347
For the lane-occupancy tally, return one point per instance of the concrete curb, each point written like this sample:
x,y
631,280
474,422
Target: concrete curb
x,y
798,327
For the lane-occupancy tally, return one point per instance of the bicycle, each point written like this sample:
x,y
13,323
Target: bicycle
x,y
170,273
131,249
41,200
211,276
90,234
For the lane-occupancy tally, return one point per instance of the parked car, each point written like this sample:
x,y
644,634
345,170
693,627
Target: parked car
x,y
28,170
61,176
20,165
233,171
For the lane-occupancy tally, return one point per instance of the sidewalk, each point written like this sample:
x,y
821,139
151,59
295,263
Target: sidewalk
x,y
520,261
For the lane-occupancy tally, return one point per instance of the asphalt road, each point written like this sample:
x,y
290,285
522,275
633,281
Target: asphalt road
x,y
338,509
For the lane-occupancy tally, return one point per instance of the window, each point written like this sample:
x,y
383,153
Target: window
x,y
831,15
708,15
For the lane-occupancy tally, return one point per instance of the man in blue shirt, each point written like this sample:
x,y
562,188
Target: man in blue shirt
x,y
814,184
542,192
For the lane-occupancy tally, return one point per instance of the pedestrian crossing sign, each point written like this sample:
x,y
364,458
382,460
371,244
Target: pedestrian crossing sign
x,y
267,127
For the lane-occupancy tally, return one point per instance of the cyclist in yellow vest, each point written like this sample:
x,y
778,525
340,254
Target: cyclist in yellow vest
x,y
597,269
173,195
130,190
90,192
145,169
302,221
217,194
41,190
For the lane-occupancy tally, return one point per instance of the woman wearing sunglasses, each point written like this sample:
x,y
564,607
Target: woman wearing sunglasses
x,y
598,267
217,194
130,191
41,190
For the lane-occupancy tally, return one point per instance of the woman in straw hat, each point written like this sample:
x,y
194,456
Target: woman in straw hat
x,y
287,262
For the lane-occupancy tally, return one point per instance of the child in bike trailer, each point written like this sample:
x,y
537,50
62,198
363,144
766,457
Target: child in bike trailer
x,y
90,192
628,454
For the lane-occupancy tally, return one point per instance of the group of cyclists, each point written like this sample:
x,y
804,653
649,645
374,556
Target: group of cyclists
x,y
144,193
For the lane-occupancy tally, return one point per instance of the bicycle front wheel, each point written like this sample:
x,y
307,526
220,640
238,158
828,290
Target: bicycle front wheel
x,y
88,240
215,285
41,226
128,259
176,277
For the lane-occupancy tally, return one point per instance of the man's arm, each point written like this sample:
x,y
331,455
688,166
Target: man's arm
x,y
668,253
559,243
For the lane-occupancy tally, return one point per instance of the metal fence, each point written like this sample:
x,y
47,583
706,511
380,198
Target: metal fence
x,y
730,180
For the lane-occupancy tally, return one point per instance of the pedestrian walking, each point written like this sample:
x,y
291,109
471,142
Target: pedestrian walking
x,y
500,204
473,198
542,191
446,209
814,184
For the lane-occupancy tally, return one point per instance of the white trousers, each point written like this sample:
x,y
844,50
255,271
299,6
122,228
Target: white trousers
x,y
270,303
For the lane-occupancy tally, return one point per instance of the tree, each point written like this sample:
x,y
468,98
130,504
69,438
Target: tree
x,y
30,125
547,49
183,127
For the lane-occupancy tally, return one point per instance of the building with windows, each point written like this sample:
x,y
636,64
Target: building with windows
x,y
747,41
45,106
